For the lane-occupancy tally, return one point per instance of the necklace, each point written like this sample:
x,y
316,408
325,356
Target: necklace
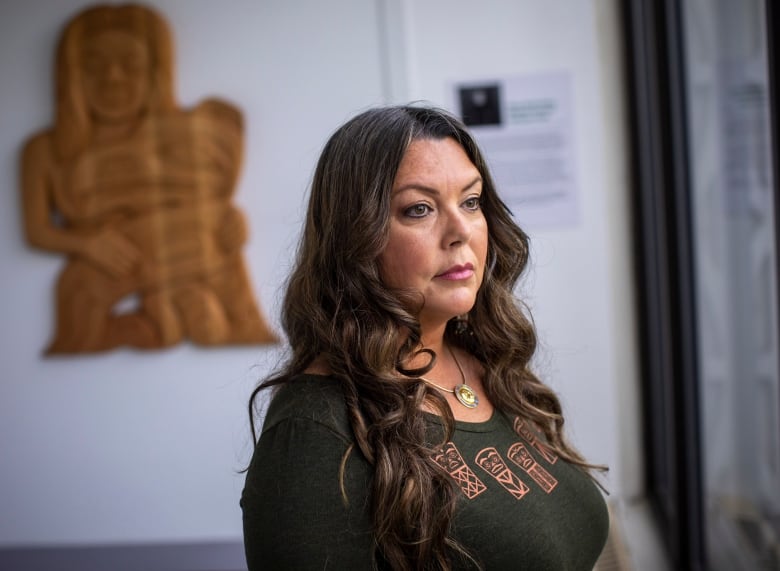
x,y
464,393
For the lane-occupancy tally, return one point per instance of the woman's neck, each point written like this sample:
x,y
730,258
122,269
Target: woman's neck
x,y
434,341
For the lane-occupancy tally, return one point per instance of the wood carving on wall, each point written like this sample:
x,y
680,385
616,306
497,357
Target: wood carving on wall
x,y
137,192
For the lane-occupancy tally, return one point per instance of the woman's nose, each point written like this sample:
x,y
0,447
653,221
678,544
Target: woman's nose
x,y
458,228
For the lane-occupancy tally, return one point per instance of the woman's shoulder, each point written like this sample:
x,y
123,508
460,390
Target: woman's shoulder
x,y
309,397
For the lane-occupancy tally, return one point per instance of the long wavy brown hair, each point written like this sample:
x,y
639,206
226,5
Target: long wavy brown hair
x,y
337,310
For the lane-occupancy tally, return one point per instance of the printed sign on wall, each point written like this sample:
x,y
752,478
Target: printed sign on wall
x,y
524,125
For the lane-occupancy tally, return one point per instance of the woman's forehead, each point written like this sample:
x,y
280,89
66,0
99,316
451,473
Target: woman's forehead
x,y
430,163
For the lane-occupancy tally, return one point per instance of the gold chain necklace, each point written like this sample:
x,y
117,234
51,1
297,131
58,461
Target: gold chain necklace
x,y
464,393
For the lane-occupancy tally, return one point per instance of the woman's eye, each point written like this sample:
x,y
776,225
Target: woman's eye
x,y
417,210
473,203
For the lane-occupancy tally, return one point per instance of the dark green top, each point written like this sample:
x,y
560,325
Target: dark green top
x,y
522,507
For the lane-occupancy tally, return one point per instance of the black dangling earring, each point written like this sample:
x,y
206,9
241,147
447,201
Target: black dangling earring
x,y
462,324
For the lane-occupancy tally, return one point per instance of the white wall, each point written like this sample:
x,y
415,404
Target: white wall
x,y
132,446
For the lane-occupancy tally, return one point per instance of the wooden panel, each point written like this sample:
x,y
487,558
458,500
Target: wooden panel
x,y
137,193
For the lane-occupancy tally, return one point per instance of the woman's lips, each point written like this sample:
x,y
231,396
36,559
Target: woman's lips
x,y
457,273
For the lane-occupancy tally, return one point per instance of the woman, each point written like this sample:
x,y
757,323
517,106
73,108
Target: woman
x,y
407,430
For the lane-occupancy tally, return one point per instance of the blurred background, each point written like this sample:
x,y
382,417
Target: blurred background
x,y
654,293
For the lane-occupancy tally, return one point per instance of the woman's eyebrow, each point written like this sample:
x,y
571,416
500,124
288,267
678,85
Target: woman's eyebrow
x,y
431,190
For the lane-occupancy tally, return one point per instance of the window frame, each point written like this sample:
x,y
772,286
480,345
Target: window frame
x,y
665,272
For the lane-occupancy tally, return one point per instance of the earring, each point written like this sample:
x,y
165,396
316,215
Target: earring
x,y
462,324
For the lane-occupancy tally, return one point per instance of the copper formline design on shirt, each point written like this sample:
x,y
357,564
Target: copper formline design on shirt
x,y
464,393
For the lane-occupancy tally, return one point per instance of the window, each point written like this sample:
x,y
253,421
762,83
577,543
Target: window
x,y
706,212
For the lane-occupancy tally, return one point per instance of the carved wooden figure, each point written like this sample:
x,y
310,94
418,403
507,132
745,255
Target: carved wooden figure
x,y
137,193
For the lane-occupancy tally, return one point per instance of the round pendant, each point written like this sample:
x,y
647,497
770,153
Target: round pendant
x,y
466,396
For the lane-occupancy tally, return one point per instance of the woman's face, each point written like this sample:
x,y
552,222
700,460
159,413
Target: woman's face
x,y
438,235
115,71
